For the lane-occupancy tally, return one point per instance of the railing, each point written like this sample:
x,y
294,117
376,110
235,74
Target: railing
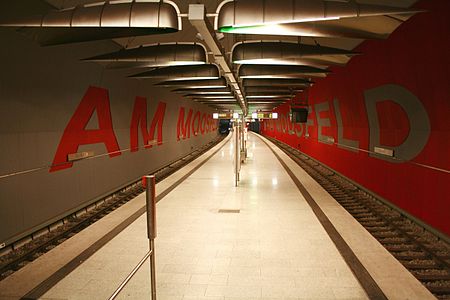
x,y
150,184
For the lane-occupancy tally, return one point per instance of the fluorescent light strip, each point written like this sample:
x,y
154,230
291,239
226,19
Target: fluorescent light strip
x,y
303,20
193,87
275,28
266,61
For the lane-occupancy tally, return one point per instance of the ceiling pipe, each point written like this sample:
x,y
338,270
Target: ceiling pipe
x,y
104,20
198,19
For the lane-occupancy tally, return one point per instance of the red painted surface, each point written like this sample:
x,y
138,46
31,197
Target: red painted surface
x,y
417,57
95,100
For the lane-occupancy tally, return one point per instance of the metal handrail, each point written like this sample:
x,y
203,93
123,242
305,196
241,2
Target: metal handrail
x,y
132,273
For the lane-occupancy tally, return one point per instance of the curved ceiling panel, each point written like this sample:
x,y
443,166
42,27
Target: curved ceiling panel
x,y
104,20
280,71
215,97
159,55
280,93
264,16
286,53
276,82
271,89
213,91
209,71
196,84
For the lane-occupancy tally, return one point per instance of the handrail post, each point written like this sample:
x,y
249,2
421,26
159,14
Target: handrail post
x,y
151,228
236,154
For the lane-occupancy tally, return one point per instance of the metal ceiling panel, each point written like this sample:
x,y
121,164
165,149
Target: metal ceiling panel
x,y
158,55
254,100
208,71
245,51
87,16
217,91
193,84
104,20
250,13
280,71
276,82
280,93
271,89
207,97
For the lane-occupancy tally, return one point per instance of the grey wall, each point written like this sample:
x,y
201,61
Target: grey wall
x,y
40,88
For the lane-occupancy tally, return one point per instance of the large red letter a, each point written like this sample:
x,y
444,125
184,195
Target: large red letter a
x,y
75,134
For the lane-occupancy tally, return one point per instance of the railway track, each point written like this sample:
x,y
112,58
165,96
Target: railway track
x,y
424,254
71,225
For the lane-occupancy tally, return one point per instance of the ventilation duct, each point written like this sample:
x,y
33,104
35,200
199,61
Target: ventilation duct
x,y
196,84
280,53
104,20
276,82
280,71
182,73
159,55
272,16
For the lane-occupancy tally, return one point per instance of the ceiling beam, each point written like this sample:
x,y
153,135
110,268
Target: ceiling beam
x,y
198,19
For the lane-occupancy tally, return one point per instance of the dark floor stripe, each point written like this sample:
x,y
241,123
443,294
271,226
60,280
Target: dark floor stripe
x,y
369,285
51,281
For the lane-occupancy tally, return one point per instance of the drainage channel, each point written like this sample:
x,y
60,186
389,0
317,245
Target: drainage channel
x,y
424,254
71,225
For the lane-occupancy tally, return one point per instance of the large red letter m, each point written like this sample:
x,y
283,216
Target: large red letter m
x,y
76,134
140,117
184,128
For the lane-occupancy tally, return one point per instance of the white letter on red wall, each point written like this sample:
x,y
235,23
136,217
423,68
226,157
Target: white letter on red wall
x,y
419,123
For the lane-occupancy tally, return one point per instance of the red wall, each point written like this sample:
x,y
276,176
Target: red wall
x,y
415,57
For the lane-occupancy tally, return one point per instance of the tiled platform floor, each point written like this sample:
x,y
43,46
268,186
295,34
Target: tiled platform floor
x,y
274,248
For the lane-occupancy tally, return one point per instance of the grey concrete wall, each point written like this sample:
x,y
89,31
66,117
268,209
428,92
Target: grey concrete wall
x,y
40,89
